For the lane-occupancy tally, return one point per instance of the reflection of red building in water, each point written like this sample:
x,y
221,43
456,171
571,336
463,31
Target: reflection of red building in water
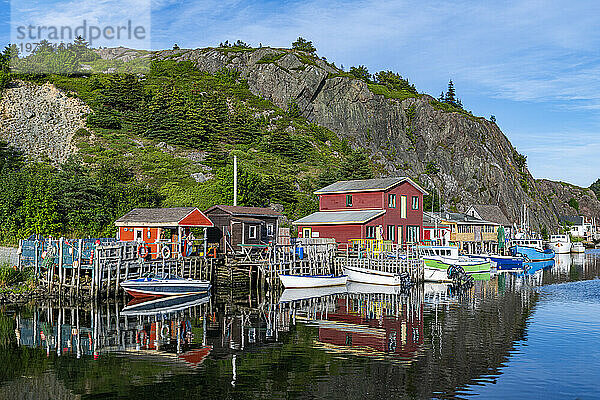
x,y
359,324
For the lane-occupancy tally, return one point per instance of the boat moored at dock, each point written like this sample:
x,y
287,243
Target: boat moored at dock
x,y
560,244
531,250
158,285
311,281
438,259
577,247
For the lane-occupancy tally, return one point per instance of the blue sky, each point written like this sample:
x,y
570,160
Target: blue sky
x,y
535,65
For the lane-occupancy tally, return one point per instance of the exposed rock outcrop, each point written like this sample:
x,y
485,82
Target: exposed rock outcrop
x,y
468,159
41,120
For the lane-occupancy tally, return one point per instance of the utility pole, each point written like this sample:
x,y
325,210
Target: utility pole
x,y
235,180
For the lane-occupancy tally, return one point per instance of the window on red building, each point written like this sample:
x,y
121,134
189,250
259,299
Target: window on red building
x,y
370,233
391,232
348,200
415,202
391,200
412,234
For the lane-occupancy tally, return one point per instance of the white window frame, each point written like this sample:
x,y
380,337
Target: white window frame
x,y
403,206
270,229
391,200
138,232
252,232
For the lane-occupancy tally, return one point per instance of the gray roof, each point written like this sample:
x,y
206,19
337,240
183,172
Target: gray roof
x,y
163,217
491,213
459,218
367,185
246,211
571,219
339,217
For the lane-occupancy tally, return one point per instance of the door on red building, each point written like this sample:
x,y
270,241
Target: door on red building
x,y
306,232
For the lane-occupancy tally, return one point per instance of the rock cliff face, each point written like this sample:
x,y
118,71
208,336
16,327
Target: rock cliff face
x,y
560,193
467,159
40,120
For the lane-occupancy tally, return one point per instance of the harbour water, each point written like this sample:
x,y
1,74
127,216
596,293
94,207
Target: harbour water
x,y
519,335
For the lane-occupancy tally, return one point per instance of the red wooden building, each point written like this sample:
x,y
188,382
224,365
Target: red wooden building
x,y
385,209
165,231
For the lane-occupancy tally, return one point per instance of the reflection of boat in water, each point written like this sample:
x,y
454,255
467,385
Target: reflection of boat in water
x,y
369,288
309,293
156,285
531,268
196,357
165,305
312,281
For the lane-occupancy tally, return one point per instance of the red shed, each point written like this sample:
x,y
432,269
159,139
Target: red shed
x,y
167,231
385,209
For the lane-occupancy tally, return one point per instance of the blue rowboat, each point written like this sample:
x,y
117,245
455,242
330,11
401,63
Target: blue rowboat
x,y
531,254
503,263
157,285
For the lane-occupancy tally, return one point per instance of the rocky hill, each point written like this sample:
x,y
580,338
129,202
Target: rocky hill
x,y
468,159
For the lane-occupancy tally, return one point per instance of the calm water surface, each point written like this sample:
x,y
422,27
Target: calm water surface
x,y
531,335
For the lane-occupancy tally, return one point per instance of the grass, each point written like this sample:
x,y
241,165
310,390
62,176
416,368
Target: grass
x,y
15,281
270,58
391,94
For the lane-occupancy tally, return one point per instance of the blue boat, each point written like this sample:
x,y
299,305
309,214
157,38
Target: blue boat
x,y
503,263
531,253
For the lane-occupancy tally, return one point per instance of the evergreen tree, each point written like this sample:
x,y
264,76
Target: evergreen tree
x,y
361,72
304,45
596,188
356,166
450,94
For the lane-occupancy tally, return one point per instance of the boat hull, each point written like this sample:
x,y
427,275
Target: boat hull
x,y
531,254
311,281
295,294
437,270
503,263
164,288
559,247
577,249
365,275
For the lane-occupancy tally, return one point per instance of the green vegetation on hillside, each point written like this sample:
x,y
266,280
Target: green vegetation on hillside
x,y
150,136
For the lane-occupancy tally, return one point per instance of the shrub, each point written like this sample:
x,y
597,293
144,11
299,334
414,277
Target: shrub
x,y
574,203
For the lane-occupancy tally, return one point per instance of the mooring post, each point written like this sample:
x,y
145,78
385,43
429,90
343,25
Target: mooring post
x,y
60,266
79,250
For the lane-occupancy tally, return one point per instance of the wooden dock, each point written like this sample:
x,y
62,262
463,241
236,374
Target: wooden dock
x,y
96,267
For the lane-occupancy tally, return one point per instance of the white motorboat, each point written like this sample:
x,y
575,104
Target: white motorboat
x,y
560,244
577,247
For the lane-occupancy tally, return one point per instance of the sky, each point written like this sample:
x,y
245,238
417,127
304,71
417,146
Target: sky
x,y
535,65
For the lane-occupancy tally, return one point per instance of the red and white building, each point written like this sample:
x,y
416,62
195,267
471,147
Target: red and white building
x,y
162,232
384,209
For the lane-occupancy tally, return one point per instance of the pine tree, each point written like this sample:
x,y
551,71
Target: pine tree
x,y
450,94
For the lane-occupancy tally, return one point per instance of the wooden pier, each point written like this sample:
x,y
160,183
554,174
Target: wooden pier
x,y
96,267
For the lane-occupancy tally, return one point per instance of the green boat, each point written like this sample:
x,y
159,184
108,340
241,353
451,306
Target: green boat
x,y
436,268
